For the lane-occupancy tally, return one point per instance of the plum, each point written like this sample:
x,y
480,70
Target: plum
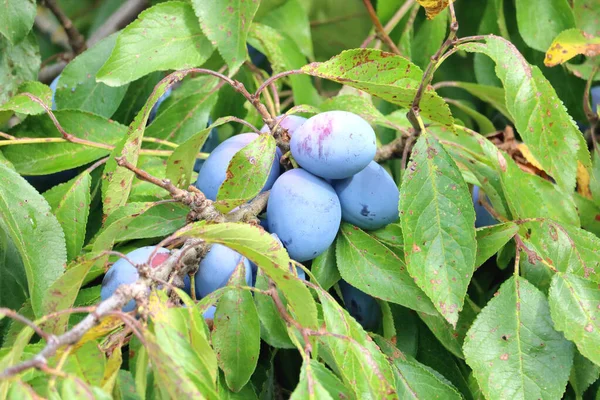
x,y
53,87
289,122
595,98
216,268
214,170
362,307
305,213
334,144
482,216
370,198
156,106
123,273
209,145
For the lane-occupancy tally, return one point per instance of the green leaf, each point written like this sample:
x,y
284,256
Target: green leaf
x,y
540,118
291,19
317,382
513,348
387,76
354,355
540,21
490,94
20,390
13,280
324,268
583,374
117,181
428,39
36,233
273,329
267,253
77,87
88,363
19,63
368,265
70,203
247,173
451,338
135,98
565,248
46,158
16,19
247,392
574,307
485,125
180,164
111,372
491,239
23,104
438,223
586,14
413,379
185,116
284,55
154,42
62,294
236,333
226,25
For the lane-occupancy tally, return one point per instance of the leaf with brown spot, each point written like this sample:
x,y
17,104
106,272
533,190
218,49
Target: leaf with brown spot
x,y
570,43
434,7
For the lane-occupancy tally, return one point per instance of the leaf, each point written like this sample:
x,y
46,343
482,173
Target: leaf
x,y
324,268
540,118
46,158
273,329
154,42
62,294
354,356
452,339
583,374
111,372
438,224
36,233
284,55
181,163
491,239
433,7
387,76
247,173
70,203
368,265
429,37
565,248
570,43
291,19
236,332
317,382
247,392
88,363
117,182
513,348
490,94
415,380
586,14
540,21
574,307
20,63
13,280
16,19
77,87
267,253
23,104
226,25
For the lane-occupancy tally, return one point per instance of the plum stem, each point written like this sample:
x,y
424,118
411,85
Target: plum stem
x,y
381,33
389,27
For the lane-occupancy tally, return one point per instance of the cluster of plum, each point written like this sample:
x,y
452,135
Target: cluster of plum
x,y
337,180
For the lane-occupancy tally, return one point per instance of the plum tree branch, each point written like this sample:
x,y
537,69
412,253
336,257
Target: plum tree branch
x,y
76,39
391,24
18,317
381,32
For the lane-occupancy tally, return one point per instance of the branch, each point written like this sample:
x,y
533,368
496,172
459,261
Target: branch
x,y
391,150
379,28
414,113
389,27
76,40
18,317
119,19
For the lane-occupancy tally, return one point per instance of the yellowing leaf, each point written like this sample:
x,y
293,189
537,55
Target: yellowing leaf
x,y
433,7
528,156
570,43
583,181
105,326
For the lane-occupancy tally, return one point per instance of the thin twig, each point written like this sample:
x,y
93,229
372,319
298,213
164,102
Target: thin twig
x,y
379,28
119,19
18,317
76,40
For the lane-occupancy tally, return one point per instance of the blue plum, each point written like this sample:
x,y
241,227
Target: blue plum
x,y
370,198
305,213
53,87
210,313
211,143
123,273
334,144
156,106
362,307
214,170
216,268
289,122
482,216
595,97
